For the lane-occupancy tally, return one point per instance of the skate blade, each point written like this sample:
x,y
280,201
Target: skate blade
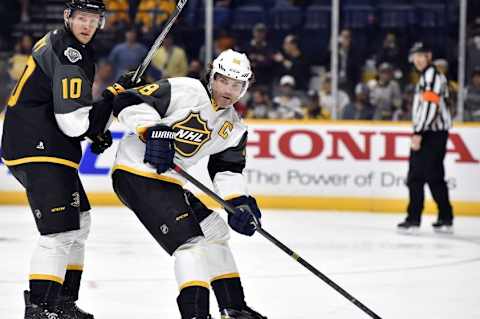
x,y
409,231
443,230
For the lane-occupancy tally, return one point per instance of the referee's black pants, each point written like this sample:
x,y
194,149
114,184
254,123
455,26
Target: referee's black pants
x,y
426,166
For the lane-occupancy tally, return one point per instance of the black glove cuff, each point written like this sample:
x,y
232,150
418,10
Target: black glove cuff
x,y
125,100
99,116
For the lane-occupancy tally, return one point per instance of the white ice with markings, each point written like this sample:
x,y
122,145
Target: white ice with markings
x,y
127,275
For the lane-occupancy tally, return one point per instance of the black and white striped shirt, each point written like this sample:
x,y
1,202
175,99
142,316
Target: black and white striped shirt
x,y
430,111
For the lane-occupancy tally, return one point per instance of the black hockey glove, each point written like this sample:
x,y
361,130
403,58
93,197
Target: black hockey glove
x,y
247,215
101,142
123,83
159,147
100,114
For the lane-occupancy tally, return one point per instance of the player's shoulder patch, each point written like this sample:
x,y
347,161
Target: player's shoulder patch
x,y
73,55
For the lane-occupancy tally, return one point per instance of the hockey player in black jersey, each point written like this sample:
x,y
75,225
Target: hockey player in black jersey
x,y
187,120
50,111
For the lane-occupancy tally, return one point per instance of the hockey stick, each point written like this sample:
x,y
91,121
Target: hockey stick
x,y
230,209
158,42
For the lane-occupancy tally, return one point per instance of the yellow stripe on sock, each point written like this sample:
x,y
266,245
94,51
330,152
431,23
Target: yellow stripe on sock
x,y
226,276
75,267
46,277
195,283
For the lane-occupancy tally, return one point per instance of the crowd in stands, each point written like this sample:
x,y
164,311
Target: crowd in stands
x,y
291,65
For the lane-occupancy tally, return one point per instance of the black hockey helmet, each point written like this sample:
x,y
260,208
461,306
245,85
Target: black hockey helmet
x,y
95,6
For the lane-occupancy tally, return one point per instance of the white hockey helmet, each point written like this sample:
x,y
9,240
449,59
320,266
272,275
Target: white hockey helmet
x,y
233,64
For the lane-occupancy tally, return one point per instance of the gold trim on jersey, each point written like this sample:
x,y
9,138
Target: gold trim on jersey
x,y
214,104
226,276
142,132
40,43
232,196
17,90
41,159
46,277
147,174
194,283
75,267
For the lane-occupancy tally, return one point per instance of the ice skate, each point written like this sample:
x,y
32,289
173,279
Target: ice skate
x,y
246,313
408,228
443,227
33,311
69,310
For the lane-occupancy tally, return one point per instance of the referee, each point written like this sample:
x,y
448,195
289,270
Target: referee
x,y
431,122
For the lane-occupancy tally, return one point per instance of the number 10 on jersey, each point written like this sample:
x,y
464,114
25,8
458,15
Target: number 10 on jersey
x,y
71,88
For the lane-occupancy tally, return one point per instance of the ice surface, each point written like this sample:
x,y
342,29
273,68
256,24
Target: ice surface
x,y
127,275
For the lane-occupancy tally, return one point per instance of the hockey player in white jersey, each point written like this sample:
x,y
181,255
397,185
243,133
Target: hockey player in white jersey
x,y
183,120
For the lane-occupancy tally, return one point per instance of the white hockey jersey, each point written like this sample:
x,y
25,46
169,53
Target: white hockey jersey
x,y
201,130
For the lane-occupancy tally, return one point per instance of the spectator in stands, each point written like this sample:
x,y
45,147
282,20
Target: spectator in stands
x,y
300,3
118,16
24,10
128,55
9,15
405,111
350,61
133,8
261,55
391,52
473,52
260,105
385,93
360,108
326,100
18,61
241,108
223,41
170,60
472,97
442,66
287,105
195,69
153,13
312,105
293,62
103,78
223,3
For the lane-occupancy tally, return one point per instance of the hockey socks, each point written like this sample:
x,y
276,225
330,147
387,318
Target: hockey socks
x,y
71,285
45,293
229,293
193,302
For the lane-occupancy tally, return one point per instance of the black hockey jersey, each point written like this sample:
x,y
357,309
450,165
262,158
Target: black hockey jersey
x,y
48,109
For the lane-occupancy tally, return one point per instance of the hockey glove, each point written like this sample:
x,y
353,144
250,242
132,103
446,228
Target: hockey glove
x,y
247,215
101,142
159,147
123,83
100,115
